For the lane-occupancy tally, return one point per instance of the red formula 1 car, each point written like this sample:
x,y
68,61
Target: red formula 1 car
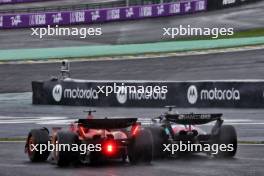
x,y
92,141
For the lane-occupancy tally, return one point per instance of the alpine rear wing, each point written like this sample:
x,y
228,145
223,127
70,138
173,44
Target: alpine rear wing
x,y
114,123
193,119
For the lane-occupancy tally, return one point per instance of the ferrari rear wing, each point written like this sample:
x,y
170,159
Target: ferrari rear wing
x,y
114,123
193,119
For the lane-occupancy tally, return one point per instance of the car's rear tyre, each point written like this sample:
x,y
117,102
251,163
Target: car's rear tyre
x,y
227,136
159,139
141,148
37,137
66,157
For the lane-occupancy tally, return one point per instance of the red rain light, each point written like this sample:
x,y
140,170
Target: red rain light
x,y
110,148
135,130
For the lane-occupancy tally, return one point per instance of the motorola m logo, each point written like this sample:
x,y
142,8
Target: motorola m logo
x,y
212,94
58,93
121,96
192,94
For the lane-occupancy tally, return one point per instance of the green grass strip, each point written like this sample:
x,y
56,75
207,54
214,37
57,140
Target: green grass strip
x,y
12,139
258,32
129,49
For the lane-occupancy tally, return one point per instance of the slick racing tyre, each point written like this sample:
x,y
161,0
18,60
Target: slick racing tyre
x,y
141,148
37,137
159,139
66,157
227,135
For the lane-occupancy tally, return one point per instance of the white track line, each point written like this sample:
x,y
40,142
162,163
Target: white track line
x,y
35,120
26,117
12,141
255,159
12,165
65,120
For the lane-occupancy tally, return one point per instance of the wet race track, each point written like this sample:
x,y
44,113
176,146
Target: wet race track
x,y
18,115
248,162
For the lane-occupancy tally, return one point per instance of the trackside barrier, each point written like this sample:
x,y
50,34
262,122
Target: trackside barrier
x,y
220,94
100,15
220,4
112,14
